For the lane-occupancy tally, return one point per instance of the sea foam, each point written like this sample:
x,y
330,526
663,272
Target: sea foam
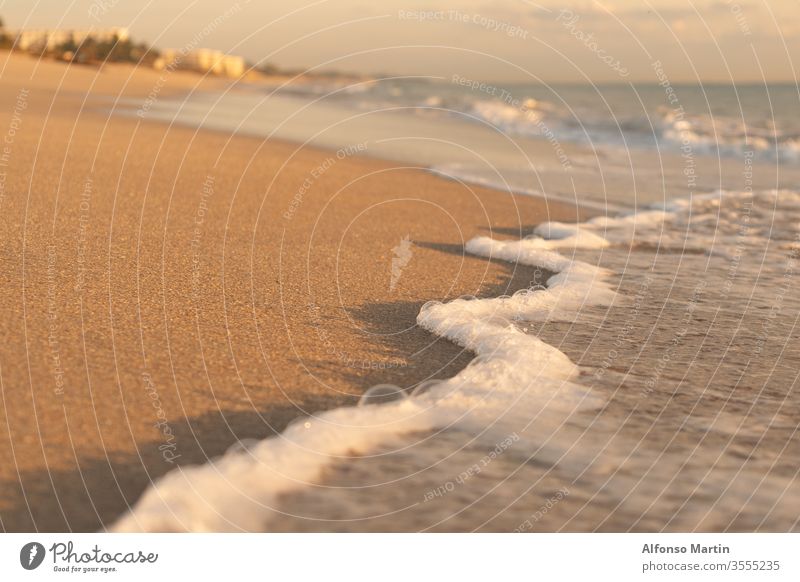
x,y
516,379
513,374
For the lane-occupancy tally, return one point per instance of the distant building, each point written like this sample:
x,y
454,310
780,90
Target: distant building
x,y
203,61
40,39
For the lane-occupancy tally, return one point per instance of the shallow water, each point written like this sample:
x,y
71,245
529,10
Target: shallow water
x,y
697,363
717,119
608,147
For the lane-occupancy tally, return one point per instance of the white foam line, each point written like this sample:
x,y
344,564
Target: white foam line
x,y
515,376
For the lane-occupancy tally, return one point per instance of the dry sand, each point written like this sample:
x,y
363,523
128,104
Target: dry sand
x,y
158,303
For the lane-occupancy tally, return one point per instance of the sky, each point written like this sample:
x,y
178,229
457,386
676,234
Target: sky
x,y
502,40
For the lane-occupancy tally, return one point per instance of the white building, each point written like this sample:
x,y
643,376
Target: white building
x,y
204,61
39,39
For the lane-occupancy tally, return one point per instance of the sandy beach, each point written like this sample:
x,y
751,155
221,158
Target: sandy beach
x,y
279,268
168,291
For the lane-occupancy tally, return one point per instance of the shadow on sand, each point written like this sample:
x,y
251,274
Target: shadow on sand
x,y
101,489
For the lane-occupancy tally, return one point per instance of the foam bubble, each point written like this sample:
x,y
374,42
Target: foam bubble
x,y
381,394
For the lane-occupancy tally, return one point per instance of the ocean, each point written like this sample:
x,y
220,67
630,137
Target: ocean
x,y
647,382
613,147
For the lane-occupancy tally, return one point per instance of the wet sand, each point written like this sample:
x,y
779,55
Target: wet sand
x,y
699,431
168,291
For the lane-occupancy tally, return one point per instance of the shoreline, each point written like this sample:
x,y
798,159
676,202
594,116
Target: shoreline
x,y
159,300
